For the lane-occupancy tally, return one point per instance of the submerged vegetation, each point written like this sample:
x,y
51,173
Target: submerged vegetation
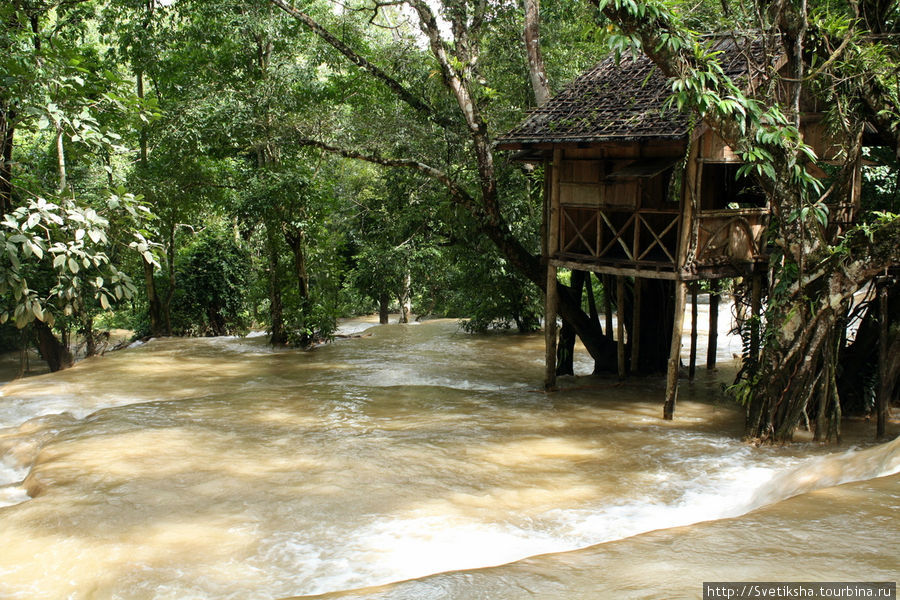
x,y
201,167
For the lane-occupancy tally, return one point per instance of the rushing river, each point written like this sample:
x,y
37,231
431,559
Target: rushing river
x,y
403,464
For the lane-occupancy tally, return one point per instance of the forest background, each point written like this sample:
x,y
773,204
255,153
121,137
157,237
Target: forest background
x,y
201,167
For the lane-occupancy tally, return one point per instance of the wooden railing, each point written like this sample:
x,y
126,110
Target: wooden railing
x,y
731,236
644,236
649,237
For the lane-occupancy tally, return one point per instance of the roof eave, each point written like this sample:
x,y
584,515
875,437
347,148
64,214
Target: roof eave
x,y
547,142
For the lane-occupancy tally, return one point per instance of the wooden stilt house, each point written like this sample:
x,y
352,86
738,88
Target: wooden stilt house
x,y
634,190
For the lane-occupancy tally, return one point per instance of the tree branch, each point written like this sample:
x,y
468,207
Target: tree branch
x,y
460,195
363,63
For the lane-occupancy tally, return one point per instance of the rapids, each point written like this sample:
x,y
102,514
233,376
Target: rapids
x,y
412,458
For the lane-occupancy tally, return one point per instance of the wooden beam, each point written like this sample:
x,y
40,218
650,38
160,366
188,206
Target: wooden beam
x,y
610,270
675,352
620,325
692,365
713,340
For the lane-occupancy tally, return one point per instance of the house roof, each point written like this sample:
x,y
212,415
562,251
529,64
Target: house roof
x,y
618,101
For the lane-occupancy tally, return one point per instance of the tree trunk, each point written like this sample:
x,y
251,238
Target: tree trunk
x,y
55,353
797,358
166,305
90,341
532,35
154,306
565,351
384,306
278,335
61,160
7,133
295,241
405,298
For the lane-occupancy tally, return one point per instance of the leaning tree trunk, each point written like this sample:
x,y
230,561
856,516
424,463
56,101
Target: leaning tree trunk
x,y
565,351
55,353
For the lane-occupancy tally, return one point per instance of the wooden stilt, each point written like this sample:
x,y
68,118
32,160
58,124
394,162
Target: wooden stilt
x,y
688,202
550,308
607,303
636,325
713,340
592,303
692,364
550,297
620,325
675,352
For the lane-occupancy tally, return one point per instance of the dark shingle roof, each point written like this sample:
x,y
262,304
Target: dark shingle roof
x,y
616,102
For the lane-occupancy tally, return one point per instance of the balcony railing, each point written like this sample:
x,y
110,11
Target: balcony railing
x,y
648,238
731,236
617,234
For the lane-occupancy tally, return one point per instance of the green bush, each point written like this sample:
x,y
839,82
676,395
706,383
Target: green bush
x,y
213,279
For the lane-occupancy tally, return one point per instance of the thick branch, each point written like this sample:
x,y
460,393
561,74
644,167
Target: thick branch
x,y
398,88
459,194
429,26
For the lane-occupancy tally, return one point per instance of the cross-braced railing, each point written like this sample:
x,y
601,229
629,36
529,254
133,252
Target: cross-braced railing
x,y
613,233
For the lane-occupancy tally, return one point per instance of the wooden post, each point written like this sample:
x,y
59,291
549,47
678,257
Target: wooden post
x,y
675,352
550,297
620,325
636,325
607,303
550,308
713,341
881,400
687,202
692,365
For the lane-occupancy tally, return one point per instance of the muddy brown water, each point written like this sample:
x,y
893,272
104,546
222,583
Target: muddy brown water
x,y
414,462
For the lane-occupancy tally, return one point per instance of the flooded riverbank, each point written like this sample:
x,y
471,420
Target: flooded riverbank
x,y
219,468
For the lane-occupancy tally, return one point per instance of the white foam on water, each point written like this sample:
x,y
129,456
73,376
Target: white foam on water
x,y
403,548
11,478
